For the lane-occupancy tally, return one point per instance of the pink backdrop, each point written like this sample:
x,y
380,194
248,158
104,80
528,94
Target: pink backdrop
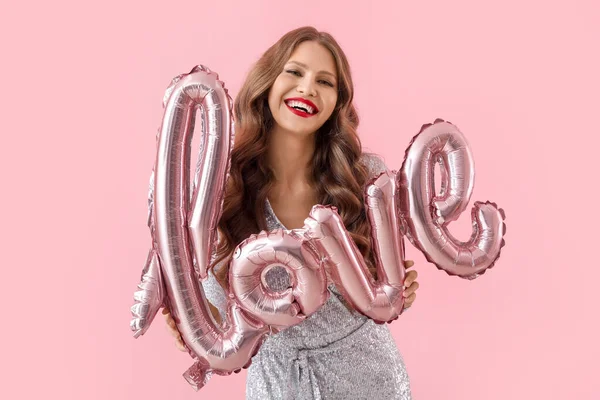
x,y
82,89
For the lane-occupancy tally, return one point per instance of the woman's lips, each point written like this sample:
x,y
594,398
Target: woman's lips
x,y
300,113
300,102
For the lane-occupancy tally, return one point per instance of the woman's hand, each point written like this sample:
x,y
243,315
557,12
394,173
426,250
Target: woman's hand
x,y
411,285
172,327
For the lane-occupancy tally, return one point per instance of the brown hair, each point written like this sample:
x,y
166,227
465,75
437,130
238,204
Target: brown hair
x,y
338,175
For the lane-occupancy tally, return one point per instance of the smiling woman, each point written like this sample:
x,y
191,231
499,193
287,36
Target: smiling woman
x,y
297,146
306,88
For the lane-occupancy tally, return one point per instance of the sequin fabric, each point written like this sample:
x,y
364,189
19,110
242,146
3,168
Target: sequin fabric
x,y
334,354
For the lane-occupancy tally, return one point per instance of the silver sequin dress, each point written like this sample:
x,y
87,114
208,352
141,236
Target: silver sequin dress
x,y
334,354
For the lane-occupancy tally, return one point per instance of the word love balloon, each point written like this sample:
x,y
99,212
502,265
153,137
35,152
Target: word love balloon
x,y
183,224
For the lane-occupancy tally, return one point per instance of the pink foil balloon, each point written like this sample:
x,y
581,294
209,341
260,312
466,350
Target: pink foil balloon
x,y
259,254
150,296
381,299
216,348
426,216
184,233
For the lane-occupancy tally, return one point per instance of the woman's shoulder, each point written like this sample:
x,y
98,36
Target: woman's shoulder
x,y
374,162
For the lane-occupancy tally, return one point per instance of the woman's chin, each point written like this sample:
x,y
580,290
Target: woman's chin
x,y
296,130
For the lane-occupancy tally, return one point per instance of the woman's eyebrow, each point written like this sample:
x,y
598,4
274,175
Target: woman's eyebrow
x,y
306,67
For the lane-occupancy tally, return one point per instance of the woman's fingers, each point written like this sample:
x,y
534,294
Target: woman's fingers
x,y
410,277
172,327
170,321
411,289
180,345
408,264
408,302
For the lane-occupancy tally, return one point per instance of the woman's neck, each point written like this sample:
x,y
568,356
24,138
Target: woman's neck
x,y
290,158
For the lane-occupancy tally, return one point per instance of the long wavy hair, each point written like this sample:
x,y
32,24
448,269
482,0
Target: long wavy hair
x,y
338,175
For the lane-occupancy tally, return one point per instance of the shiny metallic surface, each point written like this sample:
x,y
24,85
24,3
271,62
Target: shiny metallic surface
x,y
184,231
274,253
150,296
381,299
426,216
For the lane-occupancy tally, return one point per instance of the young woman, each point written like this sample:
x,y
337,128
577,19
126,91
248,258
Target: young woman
x,y
296,146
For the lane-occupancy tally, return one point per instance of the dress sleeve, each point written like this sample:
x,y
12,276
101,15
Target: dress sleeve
x,y
374,163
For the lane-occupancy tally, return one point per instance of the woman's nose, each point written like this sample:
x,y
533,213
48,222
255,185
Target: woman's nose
x,y
307,88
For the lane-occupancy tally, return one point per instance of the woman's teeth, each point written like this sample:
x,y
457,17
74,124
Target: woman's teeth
x,y
298,105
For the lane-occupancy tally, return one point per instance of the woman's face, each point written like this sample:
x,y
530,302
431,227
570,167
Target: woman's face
x,y
304,94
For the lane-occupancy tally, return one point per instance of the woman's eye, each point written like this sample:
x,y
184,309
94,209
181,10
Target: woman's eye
x,y
326,83
293,72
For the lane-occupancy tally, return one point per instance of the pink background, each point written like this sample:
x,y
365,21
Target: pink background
x,y
82,89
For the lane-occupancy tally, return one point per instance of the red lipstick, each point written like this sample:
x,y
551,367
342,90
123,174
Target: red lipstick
x,y
305,102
